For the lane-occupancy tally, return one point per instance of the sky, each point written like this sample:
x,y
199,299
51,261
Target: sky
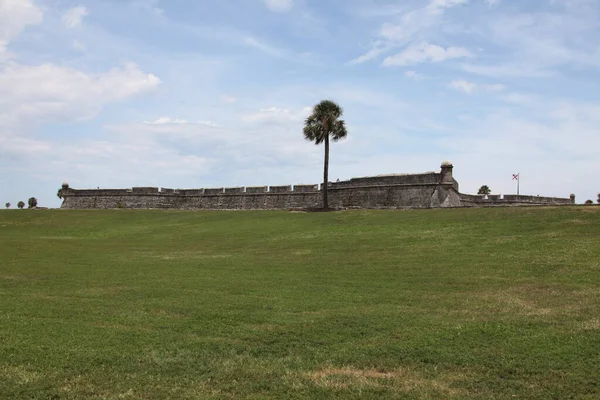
x,y
213,93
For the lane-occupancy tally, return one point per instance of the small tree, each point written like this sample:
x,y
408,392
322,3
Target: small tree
x,y
32,202
589,202
7,205
598,198
484,190
21,205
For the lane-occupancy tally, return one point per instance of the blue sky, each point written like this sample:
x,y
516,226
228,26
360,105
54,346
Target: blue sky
x,y
190,94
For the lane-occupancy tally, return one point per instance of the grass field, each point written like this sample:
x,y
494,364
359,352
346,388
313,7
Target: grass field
x,y
453,304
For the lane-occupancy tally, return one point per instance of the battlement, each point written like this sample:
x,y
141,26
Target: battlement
x,y
511,200
395,191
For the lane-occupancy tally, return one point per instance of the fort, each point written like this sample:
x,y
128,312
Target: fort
x,y
396,191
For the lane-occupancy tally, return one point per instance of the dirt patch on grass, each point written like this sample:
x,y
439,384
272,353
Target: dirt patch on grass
x,y
577,222
590,325
188,255
532,300
302,252
265,327
400,380
19,374
511,301
122,327
104,291
58,237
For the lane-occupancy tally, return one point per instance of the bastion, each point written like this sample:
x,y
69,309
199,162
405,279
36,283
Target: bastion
x,y
394,191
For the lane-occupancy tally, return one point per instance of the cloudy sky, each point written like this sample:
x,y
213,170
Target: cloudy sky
x,y
211,93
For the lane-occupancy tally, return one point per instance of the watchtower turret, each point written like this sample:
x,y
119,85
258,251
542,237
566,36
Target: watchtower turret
x,y
446,175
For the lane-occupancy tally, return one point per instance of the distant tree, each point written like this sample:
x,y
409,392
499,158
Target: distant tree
x,y
21,205
32,202
589,202
323,123
598,198
484,190
7,205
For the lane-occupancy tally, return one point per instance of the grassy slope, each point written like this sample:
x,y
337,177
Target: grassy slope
x,y
480,303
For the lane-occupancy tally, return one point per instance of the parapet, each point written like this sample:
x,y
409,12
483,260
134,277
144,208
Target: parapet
x,y
214,191
97,192
191,192
427,178
234,190
306,188
280,189
145,190
511,199
257,189
167,191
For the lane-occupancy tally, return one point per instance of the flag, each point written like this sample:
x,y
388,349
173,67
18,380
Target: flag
x,y
515,177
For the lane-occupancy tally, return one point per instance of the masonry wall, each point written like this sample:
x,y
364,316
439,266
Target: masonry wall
x,y
511,200
261,198
427,178
428,190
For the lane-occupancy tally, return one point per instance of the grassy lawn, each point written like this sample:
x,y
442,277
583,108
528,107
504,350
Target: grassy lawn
x,y
454,304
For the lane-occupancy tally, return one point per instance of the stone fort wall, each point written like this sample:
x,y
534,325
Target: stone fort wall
x,y
399,191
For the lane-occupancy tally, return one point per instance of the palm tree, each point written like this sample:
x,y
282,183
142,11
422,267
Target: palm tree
x,y
21,205
323,123
484,190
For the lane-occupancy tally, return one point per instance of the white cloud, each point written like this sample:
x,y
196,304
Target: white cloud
x,y
120,163
177,121
414,26
166,120
519,98
413,75
73,17
556,156
279,5
539,43
275,115
467,87
492,3
439,5
470,87
77,45
376,50
495,87
15,15
47,92
425,52
509,70
228,99
265,48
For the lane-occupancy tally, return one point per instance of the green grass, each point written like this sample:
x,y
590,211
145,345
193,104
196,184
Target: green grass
x,y
455,304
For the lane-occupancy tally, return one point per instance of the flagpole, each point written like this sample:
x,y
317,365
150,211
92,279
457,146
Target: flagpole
x,y
518,184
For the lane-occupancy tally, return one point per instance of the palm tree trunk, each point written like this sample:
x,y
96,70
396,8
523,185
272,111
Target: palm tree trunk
x,y
326,174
